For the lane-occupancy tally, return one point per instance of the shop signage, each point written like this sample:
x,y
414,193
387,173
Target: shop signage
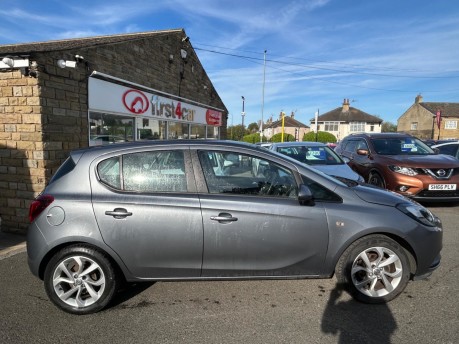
x,y
112,98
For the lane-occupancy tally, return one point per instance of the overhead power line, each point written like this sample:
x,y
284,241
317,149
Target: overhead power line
x,y
327,69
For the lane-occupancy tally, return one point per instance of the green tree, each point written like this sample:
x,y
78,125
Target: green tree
x,y
253,128
235,133
322,136
388,127
253,138
278,138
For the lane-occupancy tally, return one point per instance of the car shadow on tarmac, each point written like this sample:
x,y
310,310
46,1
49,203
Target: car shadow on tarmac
x,y
127,292
355,322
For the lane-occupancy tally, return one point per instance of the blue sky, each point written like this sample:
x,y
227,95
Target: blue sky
x,y
378,54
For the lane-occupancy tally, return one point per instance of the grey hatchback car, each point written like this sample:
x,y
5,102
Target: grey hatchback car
x,y
191,210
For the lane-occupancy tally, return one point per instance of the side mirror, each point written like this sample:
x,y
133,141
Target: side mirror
x,y
436,150
363,152
346,159
305,196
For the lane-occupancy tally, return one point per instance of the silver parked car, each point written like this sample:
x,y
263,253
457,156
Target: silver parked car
x,y
319,156
448,148
190,210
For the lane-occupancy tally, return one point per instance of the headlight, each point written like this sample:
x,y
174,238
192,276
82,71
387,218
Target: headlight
x,y
408,171
419,213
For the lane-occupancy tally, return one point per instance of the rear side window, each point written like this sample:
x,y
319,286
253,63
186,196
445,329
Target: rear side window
x,y
159,171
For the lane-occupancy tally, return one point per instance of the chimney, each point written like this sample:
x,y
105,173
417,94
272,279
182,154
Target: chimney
x,y
418,99
292,115
345,105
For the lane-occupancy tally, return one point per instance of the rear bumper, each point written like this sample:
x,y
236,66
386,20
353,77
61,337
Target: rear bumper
x,y
36,248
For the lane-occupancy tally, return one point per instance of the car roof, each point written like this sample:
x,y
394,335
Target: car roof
x,y
380,135
446,144
125,146
299,144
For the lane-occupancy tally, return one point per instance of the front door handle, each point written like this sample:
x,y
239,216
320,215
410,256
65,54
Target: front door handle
x,y
223,217
118,213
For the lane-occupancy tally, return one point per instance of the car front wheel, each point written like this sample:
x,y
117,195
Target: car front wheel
x,y
80,280
375,179
375,269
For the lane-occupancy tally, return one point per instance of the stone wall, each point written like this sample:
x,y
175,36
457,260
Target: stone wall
x,y
416,114
44,117
22,155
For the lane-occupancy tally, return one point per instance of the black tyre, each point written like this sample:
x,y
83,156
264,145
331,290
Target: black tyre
x,y
80,280
375,179
375,269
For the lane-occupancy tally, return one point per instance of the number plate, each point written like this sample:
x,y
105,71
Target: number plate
x,y
442,187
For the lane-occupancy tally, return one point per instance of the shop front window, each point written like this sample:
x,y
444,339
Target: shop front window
x,y
197,131
212,132
106,129
177,130
150,129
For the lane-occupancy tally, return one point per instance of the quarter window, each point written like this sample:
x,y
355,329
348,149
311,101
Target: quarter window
x,y
238,174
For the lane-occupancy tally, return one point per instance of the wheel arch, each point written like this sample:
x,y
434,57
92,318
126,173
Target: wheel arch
x,y
374,170
412,259
50,254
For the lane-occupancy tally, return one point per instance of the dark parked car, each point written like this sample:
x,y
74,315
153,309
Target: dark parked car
x,y
318,155
190,210
448,148
404,164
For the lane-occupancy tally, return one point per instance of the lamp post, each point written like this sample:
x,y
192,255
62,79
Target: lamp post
x,y
263,97
243,114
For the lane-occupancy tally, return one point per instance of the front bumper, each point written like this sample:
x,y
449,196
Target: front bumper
x,y
432,268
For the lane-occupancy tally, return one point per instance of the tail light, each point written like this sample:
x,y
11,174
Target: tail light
x,y
38,205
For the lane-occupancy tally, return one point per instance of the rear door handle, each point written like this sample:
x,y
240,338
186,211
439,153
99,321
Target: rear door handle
x,y
118,213
223,217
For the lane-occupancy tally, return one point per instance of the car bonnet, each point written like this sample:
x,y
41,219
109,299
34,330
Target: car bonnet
x,y
374,194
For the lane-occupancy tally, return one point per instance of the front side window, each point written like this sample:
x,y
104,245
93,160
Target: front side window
x,y
239,174
158,171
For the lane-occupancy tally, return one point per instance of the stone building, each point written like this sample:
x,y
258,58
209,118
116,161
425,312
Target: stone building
x,y
57,96
430,120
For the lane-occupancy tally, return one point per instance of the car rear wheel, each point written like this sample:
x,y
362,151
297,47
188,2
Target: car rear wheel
x,y
80,280
375,179
375,269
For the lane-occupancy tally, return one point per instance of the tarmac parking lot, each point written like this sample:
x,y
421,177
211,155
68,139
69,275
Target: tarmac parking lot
x,y
293,311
